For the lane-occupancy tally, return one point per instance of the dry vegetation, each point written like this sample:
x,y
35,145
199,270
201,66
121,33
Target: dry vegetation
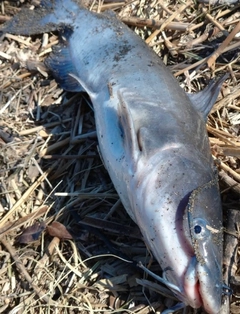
x,y
52,178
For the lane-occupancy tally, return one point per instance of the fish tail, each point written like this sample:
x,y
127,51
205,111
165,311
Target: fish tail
x,y
51,15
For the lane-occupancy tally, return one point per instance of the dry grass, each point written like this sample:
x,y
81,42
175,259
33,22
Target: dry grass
x,y
51,169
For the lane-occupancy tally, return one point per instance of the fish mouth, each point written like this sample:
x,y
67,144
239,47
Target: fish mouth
x,y
203,288
192,286
193,295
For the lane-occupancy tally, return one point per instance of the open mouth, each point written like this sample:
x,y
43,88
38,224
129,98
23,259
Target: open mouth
x,y
202,288
192,290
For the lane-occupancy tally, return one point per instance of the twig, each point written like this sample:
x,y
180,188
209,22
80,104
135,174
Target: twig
x,y
13,97
204,60
233,173
42,295
165,23
235,93
25,196
10,226
112,6
152,23
42,127
18,78
211,19
230,182
50,250
18,39
87,195
69,157
54,146
4,18
224,44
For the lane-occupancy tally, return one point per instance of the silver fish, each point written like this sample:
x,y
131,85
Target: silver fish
x,y
152,138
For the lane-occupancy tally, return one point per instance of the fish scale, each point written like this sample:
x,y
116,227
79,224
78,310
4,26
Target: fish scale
x,y
152,138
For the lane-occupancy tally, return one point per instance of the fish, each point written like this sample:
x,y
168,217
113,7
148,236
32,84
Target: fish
x,y
152,138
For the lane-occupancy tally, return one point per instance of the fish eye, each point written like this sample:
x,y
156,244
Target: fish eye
x,y
200,230
197,229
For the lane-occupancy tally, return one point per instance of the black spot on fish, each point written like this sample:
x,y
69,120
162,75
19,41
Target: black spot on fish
x,y
122,52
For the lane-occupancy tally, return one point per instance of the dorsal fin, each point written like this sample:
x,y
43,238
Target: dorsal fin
x,y
204,101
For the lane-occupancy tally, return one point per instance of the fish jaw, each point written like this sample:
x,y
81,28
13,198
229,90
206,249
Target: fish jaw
x,y
203,287
161,211
191,285
210,288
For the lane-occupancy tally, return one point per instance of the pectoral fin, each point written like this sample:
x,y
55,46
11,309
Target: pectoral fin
x,y
129,133
203,101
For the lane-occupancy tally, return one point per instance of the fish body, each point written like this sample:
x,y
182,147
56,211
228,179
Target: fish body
x,y
152,139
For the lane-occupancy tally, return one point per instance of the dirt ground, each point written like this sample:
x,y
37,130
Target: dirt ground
x,y
64,234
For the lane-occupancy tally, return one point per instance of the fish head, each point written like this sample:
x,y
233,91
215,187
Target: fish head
x,y
181,223
203,277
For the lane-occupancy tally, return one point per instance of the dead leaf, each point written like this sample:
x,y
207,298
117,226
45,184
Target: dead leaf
x,y
56,229
31,233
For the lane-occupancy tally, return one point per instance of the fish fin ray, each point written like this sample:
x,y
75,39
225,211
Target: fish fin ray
x,y
204,100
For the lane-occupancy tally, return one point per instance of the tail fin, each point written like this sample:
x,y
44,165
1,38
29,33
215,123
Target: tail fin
x,y
51,15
